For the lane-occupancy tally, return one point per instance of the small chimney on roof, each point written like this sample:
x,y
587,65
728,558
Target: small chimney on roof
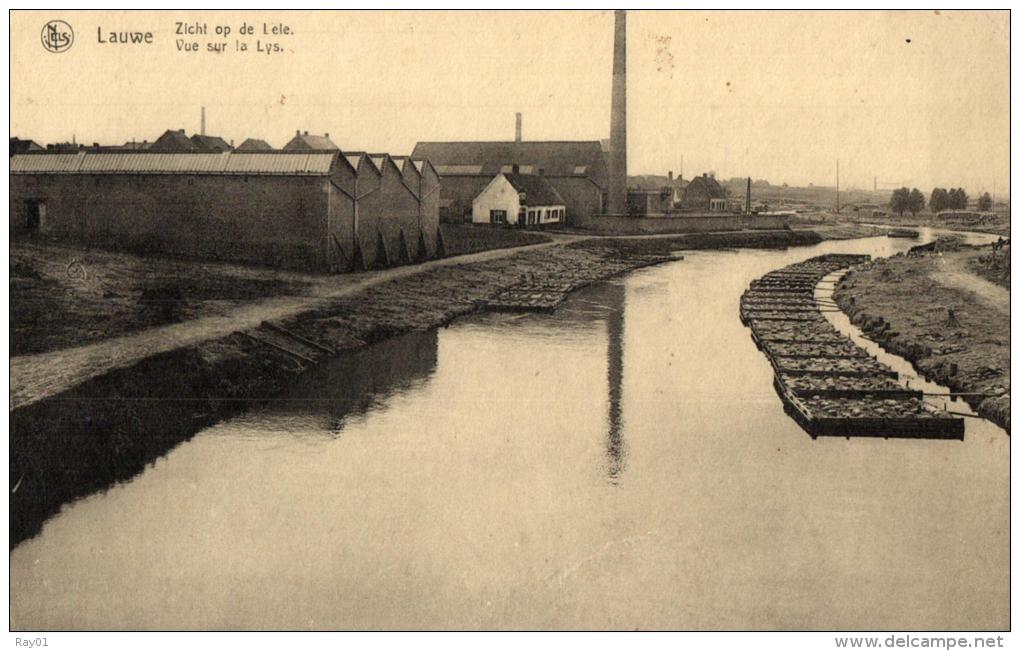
x,y
515,168
517,131
298,133
327,134
306,133
671,177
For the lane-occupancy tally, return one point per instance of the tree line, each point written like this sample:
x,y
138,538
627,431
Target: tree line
x,y
904,200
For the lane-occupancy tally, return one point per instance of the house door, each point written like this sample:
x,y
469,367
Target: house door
x,y
522,215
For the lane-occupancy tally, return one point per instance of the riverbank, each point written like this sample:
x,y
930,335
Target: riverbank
x,y
64,296
106,428
952,325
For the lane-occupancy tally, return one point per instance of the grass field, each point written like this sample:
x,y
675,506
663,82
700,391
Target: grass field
x,y
468,238
931,310
63,296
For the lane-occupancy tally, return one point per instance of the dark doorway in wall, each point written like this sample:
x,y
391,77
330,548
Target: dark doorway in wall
x,y
35,213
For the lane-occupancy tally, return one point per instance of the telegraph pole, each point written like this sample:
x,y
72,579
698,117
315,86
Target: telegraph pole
x,y
837,186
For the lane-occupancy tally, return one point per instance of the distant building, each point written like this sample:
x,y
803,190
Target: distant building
x,y
173,140
518,200
319,211
210,143
19,146
650,202
306,142
704,194
254,144
134,145
575,169
58,147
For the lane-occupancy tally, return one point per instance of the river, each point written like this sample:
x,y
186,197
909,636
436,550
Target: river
x,y
622,463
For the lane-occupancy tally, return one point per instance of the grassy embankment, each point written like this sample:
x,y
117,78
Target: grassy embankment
x,y
63,296
949,333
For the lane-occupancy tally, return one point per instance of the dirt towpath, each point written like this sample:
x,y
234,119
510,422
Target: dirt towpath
x,y
34,377
951,271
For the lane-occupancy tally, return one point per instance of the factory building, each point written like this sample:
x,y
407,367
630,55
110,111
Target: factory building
x,y
309,210
575,169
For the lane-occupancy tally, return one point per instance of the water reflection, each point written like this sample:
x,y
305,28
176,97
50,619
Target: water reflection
x,y
615,448
326,398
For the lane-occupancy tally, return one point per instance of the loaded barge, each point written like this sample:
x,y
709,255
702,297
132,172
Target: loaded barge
x,y
828,384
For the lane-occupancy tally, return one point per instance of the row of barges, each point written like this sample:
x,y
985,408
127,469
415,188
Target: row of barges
x,y
828,384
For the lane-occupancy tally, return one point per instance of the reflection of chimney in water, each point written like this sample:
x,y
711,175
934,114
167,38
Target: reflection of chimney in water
x,y
615,447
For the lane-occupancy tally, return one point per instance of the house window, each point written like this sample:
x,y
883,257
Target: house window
x,y
497,216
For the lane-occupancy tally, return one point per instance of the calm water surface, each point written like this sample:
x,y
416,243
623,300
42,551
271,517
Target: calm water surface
x,y
623,463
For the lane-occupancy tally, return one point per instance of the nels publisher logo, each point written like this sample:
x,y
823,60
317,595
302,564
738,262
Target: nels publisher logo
x,y
57,36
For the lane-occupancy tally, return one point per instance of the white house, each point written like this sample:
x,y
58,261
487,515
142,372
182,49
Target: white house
x,y
518,200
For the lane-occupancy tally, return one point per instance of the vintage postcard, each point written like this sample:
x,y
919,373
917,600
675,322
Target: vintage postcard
x,y
601,320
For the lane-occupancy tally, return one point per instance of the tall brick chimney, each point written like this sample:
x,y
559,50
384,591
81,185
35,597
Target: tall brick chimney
x,y
517,132
618,120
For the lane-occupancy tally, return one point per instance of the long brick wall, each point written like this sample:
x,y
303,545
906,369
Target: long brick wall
x,y
625,225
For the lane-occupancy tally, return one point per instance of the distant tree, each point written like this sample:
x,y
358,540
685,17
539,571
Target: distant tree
x,y
915,201
939,200
900,201
985,202
958,199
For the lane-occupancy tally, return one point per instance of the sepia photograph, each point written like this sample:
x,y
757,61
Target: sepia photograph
x,y
546,320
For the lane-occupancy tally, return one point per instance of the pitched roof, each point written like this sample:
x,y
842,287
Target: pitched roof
x,y
92,162
553,158
210,143
538,191
254,144
311,141
173,140
709,184
19,146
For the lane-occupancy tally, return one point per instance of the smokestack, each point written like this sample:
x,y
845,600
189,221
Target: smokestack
x,y
203,122
747,203
618,120
517,136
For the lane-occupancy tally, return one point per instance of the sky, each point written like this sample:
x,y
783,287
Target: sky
x,y
907,98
